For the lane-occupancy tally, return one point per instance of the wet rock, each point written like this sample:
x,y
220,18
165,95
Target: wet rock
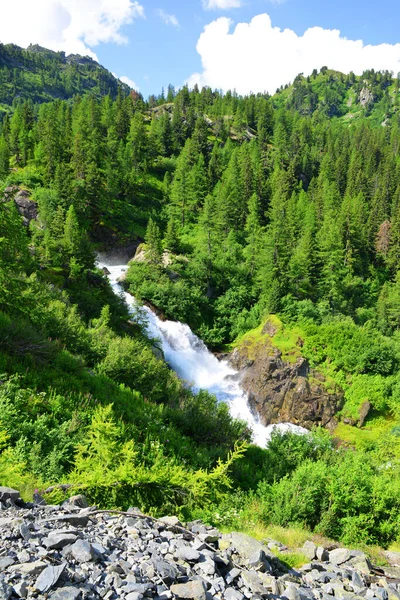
x,y
281,391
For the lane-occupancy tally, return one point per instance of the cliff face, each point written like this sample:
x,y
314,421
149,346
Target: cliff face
x,y
284,389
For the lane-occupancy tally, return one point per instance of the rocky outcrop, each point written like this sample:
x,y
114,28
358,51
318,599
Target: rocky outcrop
x,y
73,553
281,391
27,208
366,97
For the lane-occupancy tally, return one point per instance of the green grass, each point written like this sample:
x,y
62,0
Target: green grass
x,y
359,437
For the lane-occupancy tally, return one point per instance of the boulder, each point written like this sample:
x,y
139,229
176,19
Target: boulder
x,y
309,549
192,590
281,391
7,493
48,577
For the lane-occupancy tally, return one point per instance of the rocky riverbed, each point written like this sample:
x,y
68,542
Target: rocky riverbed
x,y
74,552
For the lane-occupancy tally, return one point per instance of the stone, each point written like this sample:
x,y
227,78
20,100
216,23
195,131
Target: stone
x,y
7,493
6,562
49,577
252,581
166,570
192,590
134,596
79,500
56,541
232,594
259,561
339,556
171,521
292,592
322,554
393,558
82,551
66,593
309,549
25,532
21,589
31,568
76,520
280,391
187,554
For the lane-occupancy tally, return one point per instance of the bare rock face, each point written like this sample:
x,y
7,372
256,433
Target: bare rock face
x,y
26,207
280,391
366,97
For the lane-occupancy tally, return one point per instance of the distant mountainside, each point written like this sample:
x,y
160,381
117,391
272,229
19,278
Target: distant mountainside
x,y
42,75
374,94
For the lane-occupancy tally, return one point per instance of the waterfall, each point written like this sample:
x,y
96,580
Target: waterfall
x,y
189,357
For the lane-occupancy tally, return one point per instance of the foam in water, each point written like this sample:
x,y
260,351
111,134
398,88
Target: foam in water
x,y
189,357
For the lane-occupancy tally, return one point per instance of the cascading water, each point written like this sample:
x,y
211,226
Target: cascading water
x,y
189,357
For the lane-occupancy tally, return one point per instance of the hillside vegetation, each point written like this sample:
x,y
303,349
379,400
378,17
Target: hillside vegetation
x,y
41,75
287,205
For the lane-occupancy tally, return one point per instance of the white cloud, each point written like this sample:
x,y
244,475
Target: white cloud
x,y
167,18
221,4
70,25
129,82
258,57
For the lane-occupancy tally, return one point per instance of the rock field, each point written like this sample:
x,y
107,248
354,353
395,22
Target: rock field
x,y
73,552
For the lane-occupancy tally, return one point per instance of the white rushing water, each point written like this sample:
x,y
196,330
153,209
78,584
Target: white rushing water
x,y
189,357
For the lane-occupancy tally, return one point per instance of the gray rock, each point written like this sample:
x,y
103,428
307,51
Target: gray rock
x,y
5,590
253,582
7,493
21,589
79,500
82,551
56,541
232,594
192,590
25,532
339,556
171,521
166,570
6,562
232,575
309,549
77,520
322,554
49,577
187,554
259,561
292,592
66,593
134,596
31,568
393,558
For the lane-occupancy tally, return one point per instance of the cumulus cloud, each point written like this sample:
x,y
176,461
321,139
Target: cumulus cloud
x,y
258,57
128,81
221,4
167,18
70,25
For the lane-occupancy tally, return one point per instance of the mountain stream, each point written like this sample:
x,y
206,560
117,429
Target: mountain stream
x,y
189,357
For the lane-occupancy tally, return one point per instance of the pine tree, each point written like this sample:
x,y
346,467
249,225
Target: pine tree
x,y
153,242
4,158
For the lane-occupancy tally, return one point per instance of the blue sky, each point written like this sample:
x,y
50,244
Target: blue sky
x,y
153,42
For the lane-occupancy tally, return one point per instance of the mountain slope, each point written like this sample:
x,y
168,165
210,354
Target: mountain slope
x,y
41,75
